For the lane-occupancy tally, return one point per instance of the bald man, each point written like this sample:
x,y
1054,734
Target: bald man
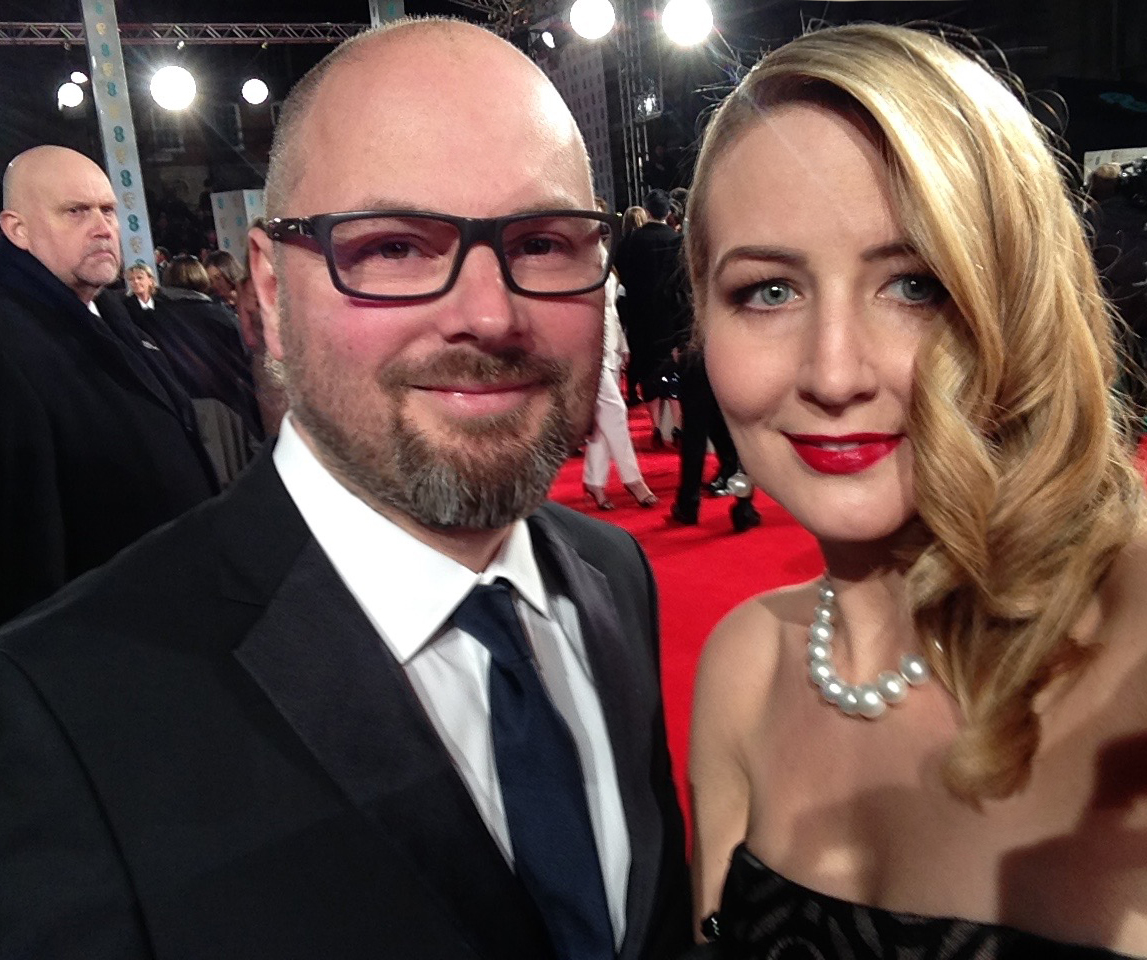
x,y
98,443
380,699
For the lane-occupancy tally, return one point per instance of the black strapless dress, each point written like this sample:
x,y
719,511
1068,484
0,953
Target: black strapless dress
x,y
767,917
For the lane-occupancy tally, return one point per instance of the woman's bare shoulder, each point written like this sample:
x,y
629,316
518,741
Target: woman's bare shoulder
x,y
743,648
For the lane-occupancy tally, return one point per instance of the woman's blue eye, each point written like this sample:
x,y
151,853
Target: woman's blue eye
x,y
775,293
918,288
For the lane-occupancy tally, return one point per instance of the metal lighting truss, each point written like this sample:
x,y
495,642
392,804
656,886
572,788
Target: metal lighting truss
x,y
505,16
160,34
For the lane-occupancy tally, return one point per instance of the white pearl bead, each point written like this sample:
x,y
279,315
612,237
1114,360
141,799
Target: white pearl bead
x,y
819,650
892,686
827,594
848,702
833,691
821,631
739,485
821,672
823,613
871,703
914,669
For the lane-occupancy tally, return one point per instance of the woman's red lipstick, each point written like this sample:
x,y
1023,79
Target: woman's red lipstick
x,y
848,453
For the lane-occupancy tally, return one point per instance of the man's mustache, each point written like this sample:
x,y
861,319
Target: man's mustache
x,y
475,367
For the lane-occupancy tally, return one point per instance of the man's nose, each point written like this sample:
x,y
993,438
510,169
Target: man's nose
x,y
480,306
104,224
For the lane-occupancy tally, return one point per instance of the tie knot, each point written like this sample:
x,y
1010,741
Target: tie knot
x,y
488,615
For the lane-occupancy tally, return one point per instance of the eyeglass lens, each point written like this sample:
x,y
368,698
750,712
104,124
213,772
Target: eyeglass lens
x,y
410,256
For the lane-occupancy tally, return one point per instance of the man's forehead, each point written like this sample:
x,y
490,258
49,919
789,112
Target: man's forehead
x,y
386,128
81,184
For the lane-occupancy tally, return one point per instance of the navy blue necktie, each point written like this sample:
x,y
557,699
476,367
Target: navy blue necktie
x,y
541,780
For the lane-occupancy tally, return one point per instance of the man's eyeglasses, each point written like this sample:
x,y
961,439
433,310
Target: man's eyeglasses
x,y
404,255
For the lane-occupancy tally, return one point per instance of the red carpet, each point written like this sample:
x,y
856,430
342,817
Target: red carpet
x,y
702,572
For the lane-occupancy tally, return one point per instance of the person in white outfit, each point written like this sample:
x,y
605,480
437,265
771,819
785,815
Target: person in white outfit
x,y
611,439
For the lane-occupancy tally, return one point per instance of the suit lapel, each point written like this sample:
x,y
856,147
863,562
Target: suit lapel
x,y
347,699
143,358
621,674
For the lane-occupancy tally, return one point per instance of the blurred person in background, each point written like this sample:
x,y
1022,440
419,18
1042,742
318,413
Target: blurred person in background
x,y
611,439
657,308
1117,214
141,289
201,339
225,273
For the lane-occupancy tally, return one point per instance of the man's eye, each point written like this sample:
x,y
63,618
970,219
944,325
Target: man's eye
x,y
539,246
394,249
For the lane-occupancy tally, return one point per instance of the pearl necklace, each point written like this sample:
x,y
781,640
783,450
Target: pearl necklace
x,y
868,700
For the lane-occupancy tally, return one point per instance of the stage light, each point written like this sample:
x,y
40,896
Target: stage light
x,y
687,22
69,95
592,19
78,77
173,88
548,39
255,91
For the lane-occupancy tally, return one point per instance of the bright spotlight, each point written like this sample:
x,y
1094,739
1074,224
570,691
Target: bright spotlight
x,y
173,88
79,77
687,22
592,19
548,39
69,95
255,91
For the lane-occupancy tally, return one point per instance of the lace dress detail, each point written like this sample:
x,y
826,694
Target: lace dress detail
x,y
764,916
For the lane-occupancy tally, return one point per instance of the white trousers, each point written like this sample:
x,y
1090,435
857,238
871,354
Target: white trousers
x,y
611,439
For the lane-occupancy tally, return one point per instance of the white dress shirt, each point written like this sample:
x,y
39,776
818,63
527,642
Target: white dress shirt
x,y
409,591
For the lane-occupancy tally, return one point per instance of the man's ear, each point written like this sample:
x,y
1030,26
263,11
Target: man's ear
x,y
261,265
15,228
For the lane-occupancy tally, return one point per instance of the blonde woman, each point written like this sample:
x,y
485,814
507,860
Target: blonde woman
x,y
939,747
141,285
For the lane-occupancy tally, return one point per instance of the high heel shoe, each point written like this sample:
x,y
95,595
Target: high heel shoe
x,y
642,494
598,496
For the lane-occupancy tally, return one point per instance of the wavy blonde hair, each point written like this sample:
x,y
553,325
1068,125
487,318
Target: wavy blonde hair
x,y
1023,478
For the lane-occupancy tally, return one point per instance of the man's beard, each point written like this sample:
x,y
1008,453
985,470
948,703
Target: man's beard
x,y
497,470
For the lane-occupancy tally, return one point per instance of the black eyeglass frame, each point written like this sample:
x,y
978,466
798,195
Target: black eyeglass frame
x,y
471,231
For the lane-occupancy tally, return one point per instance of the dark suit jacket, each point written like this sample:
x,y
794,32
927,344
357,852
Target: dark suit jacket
x,y
200,339
651,269
98,444
207,752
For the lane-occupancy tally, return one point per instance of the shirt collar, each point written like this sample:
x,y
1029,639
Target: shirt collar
x,y
92,308
407,589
